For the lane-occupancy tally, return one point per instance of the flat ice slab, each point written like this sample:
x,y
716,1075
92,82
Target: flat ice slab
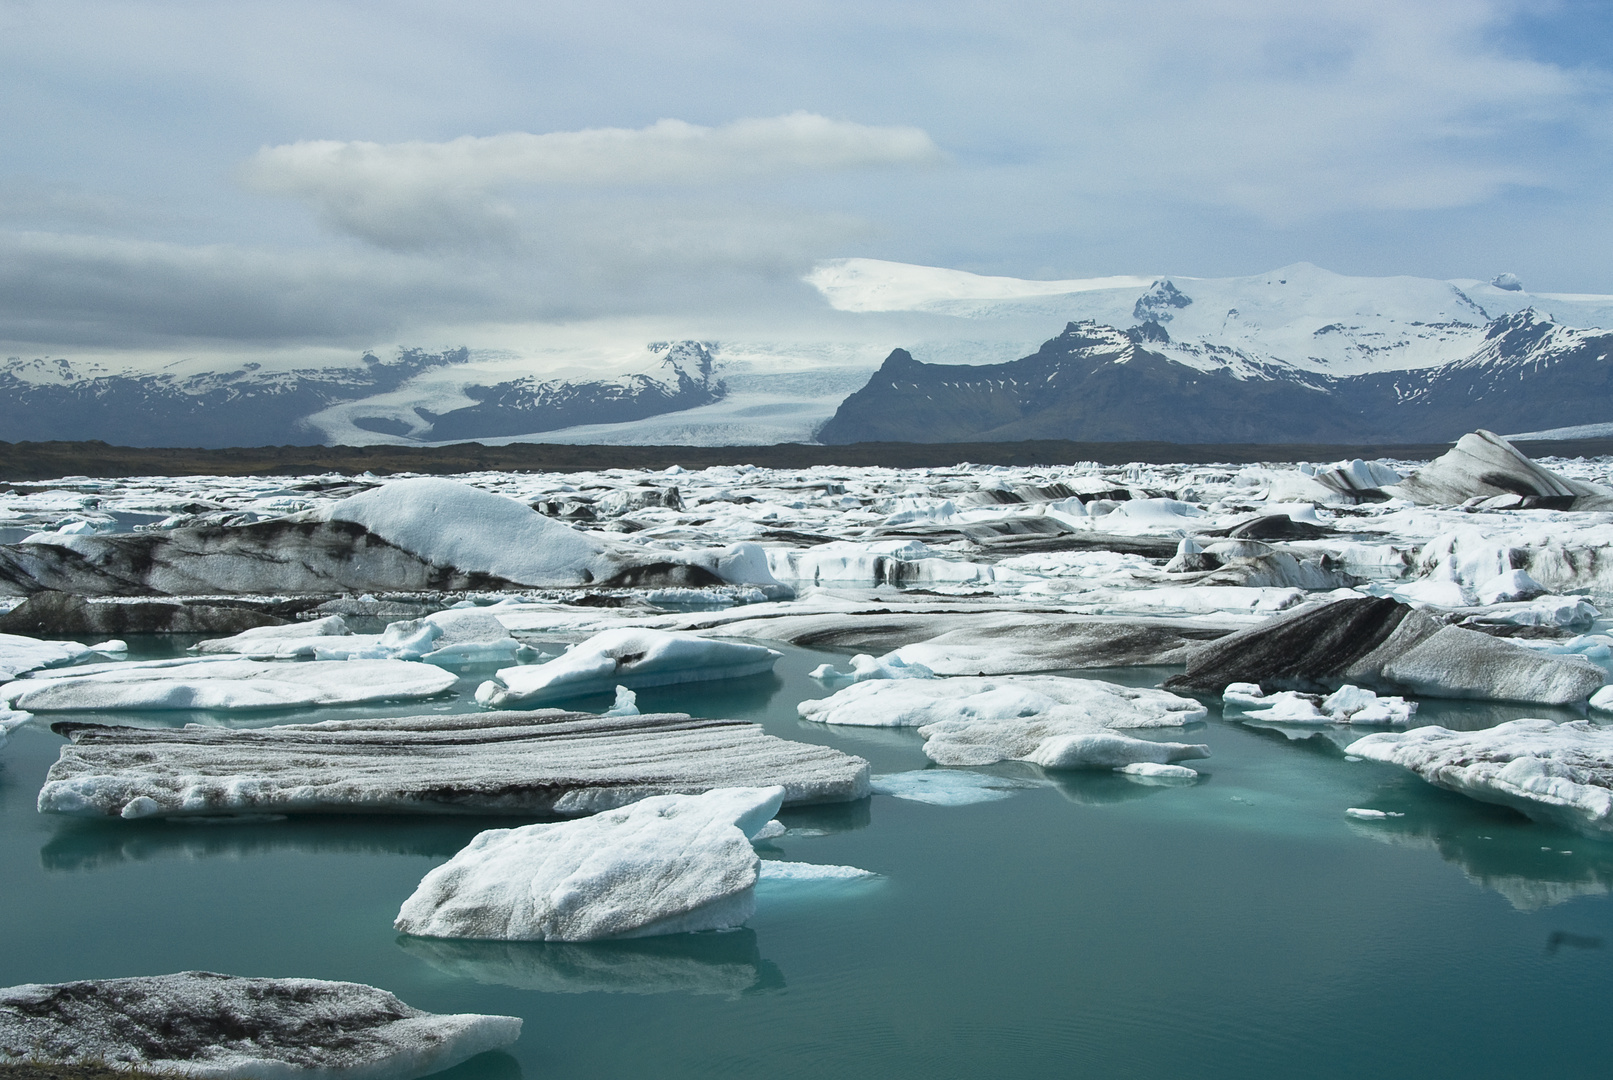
x,y
225,684
627,657
19,654
546,762
222,1027
666,865
1557,773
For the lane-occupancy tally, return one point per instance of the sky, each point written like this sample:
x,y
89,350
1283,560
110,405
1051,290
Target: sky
x,y
191,179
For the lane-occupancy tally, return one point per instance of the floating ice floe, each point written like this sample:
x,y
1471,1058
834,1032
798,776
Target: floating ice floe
x,y
19,654
224,683
1054,722
221,1027
1556,773
1382,644
1346,705
865,667
627,657
546,762
285,642
669,864
1153,772
1365,813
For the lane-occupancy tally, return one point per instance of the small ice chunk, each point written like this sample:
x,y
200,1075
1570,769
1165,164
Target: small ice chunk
x,y
865,667
1602,700
1105,750
115,647
771,831
626,703
1368,814
1155,769
664,865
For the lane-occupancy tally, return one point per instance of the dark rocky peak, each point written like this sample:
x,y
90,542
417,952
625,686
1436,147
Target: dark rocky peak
x,y
1148,331
1520,330
1155,305
899,361
690,356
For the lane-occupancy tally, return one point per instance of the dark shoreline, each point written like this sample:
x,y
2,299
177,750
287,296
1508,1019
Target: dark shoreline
x,y
34,461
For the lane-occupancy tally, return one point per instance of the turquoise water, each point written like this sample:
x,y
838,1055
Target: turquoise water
x,y
1089,926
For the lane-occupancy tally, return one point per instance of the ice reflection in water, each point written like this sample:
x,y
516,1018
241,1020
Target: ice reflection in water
x,y
727,964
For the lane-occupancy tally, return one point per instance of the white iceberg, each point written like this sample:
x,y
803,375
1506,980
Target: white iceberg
x,y
289,641
225,683
450,524
626,657
665,865
1346,705
1052,698
20,654
220,1027
865,667
1054,722
1557,773
456,636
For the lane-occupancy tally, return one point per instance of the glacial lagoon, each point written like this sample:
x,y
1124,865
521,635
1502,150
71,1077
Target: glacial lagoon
x,y
1073,924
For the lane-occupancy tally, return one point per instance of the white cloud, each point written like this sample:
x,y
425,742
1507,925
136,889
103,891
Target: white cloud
x,y
420,194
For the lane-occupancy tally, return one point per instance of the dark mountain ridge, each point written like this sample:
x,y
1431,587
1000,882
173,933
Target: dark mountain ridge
x,y
1099,384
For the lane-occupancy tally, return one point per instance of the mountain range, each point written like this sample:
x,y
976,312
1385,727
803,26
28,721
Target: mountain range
x,y
1297,352
1097,383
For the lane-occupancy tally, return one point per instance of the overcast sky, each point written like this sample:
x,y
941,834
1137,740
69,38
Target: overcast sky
x,y
190,176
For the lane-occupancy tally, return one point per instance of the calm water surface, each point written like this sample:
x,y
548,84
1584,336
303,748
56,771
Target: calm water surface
x,y
1089,926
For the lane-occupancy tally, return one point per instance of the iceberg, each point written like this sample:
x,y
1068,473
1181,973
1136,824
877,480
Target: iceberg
x,y
916,702
450,524
1557,773
223,1027
625,657
1346,705
546,762
1054,722
19,654
288,641
225,683
1483,465
668,864
1384,645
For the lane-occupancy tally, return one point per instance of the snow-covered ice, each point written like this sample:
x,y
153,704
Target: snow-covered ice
x,y
224,683
10,721
222,1027
19,654
1559,773
627,657
669,864
1052,699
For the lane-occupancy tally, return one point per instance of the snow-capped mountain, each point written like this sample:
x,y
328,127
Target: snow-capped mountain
x,y
1436,348
246,405
1099,383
